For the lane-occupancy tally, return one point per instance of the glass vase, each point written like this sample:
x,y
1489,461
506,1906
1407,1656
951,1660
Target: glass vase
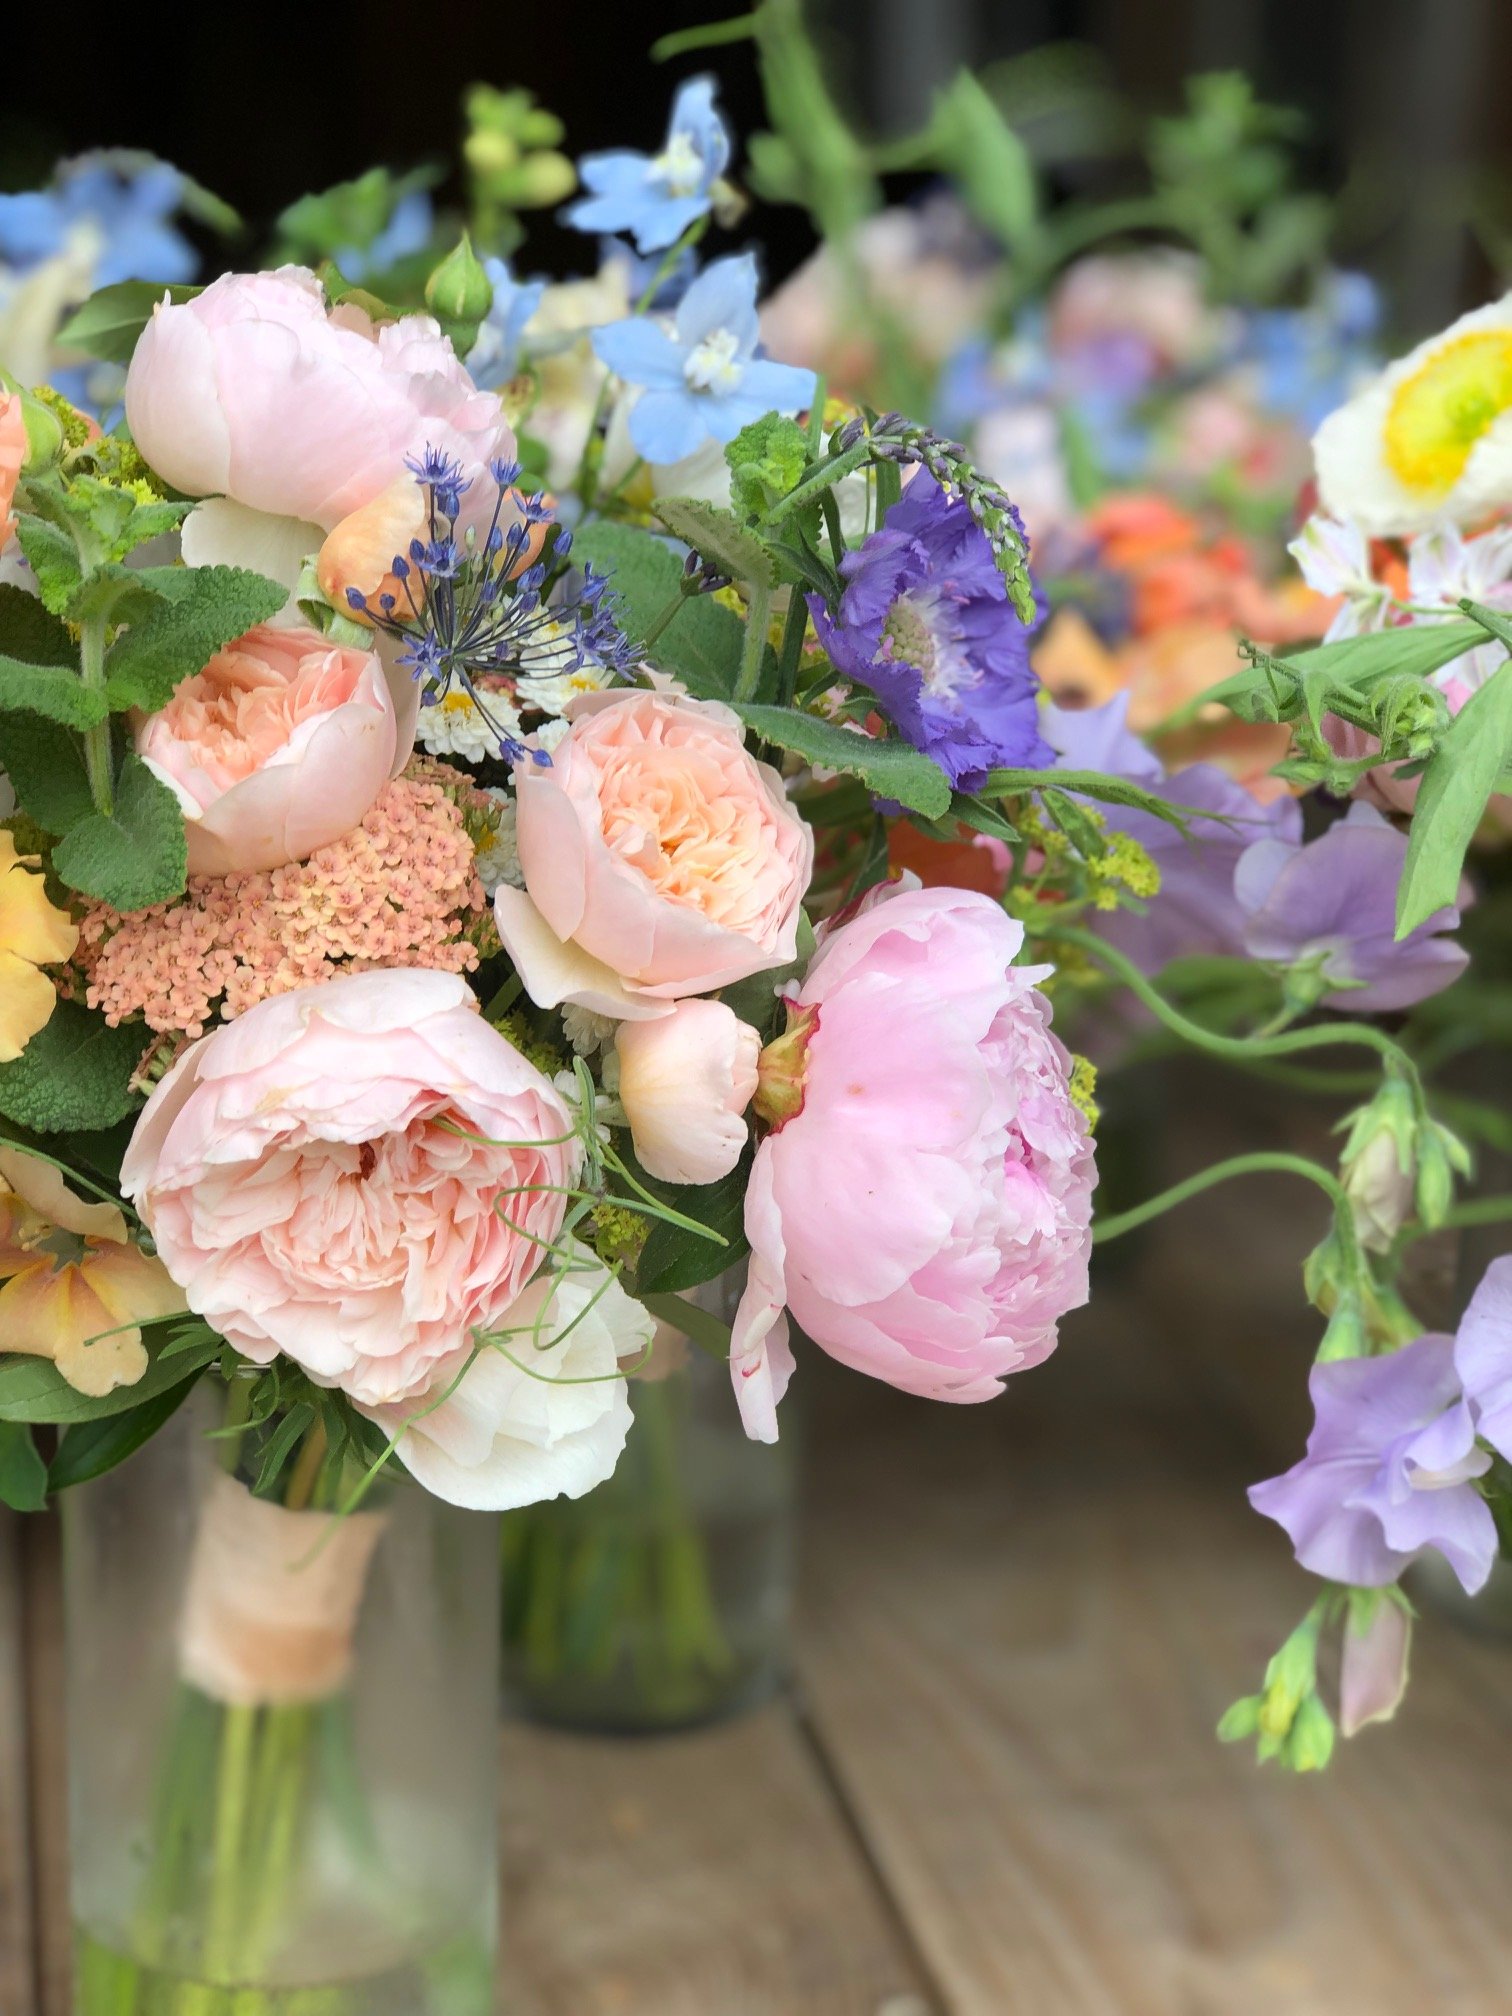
x,y
661,1599
282,1727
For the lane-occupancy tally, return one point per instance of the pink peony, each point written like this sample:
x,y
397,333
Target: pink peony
x,y
255,391
924,1209
685,1081
276,749
660,859
317,1181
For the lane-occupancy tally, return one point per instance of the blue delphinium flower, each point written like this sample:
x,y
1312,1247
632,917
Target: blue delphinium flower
x,y
124,202
495,356
702,377
407,232
655,197
649,283
926,623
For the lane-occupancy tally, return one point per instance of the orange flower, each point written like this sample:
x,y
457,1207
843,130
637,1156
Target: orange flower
x,y
73,1288
974,861
33,933
1140,527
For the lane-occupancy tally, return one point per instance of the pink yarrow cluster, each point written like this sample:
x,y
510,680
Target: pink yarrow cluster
x,y
400,889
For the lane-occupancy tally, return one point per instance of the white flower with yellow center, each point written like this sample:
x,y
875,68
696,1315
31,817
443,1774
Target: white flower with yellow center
x,y
457,726
548,678
1431,437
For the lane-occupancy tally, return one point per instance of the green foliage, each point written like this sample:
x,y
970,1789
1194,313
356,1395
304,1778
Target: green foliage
x,y
703,641
23,1474
132,857
33,1389
29,632
718,537
347,215
49,690
76,1072
91,1447
1458,782
766,460
889,769
989,163
674,1258
210,606
110,321
53,559
45,764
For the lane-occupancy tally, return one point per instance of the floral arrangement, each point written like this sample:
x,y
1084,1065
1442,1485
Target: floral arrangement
x,y
525,803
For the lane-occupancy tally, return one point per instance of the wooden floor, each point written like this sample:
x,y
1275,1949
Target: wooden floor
x,y
994,1789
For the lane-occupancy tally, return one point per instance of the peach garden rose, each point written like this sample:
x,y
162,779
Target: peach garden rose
x,y
659,857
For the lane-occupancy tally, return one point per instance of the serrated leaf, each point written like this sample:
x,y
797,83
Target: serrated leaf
x,y
133,857
75,1072
29,631
888,769
23,1474
45,764
1451,800
50,690
719,537
168,645
110,321
702,643
33,1389
52,557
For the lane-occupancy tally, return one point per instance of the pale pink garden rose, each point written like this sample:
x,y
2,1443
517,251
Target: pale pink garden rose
x,y
277,748
659,859
685,1081
923,1206
257,392
360,1175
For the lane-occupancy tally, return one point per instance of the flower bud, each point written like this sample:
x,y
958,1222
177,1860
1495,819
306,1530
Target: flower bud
x,y
784,1067
1290,1679
1377,1166
685,1082
459,294
44,434
359,552
1310,1743
1373,1673
1441,1156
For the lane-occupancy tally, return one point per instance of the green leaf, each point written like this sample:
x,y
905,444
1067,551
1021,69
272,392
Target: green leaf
x,y
1357,662
719,537
673,1258
45,764
23,1474
988,162
110,321
76,1072
699,1326
90,1448
50,690
1092,784
33,1389
133,857
29,632
766,460
888,769
702,643
1451,800
53,558
168,645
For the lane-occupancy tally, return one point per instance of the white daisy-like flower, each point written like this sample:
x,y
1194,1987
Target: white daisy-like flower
x,y
549,679
586,1030
550,733
457,726
1431,437
499,861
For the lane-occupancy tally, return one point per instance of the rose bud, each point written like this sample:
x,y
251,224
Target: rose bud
x,y
685,1083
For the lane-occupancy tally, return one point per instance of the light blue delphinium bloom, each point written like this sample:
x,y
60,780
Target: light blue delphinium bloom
x,y
702,378
655,197
495,357
124,202
407,232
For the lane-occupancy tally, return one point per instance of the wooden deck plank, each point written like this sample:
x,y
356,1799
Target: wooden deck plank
x,y
48,1740
18,1985
1016,1664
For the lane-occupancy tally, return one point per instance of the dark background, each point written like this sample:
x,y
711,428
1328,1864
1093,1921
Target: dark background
x,y
263,103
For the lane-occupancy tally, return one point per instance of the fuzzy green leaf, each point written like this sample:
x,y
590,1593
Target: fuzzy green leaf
x,y
1451,800
172,643
719,537
133,857
76,1072
52,557
888,769
45,764
110,321
50,690
30,632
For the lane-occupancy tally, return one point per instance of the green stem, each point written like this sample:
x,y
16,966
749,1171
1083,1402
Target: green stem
x,y
232,1791
754,649
1463,1217
662,619
1238,1165
792,647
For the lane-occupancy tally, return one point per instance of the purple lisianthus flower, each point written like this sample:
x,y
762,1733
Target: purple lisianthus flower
x,y
1388,1471
926,623
1195,910
655,197
1329,909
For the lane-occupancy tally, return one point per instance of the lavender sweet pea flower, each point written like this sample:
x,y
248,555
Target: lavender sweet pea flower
x,y
1331,907
1387,1472
655,197
926,623
1100,738
702,377
1483,1354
